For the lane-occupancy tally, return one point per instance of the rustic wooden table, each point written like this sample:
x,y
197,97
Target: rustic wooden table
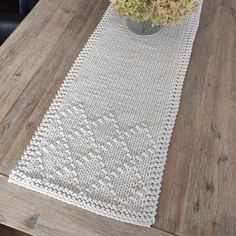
x,y
199,188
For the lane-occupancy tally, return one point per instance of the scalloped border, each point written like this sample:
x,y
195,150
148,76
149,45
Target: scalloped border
x,y
69,197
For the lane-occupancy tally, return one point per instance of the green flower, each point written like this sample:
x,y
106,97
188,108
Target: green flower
x,y
164,12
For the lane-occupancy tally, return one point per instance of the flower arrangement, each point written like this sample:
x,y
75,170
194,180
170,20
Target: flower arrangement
x,y
164,12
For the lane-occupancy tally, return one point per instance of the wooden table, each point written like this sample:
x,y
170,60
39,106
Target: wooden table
x,y
199,188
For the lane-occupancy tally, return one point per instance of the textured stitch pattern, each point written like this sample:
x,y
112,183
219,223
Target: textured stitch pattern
x,y
103,143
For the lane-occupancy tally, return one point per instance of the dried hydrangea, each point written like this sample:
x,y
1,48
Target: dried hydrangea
x,y
165,12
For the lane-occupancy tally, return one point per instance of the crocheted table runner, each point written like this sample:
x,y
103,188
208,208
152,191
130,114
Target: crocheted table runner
x,y
103,143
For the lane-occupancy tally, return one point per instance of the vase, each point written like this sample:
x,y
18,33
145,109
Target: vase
x,y
142,27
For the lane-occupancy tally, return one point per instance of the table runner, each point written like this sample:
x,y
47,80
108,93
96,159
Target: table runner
x,y
103,143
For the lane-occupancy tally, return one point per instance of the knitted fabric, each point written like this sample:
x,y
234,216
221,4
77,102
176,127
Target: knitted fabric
x,y
103,143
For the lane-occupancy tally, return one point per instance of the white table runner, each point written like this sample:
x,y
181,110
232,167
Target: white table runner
x,y
103,143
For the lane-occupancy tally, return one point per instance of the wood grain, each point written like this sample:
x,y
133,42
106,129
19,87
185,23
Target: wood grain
x,y
39,215
199,189
228,3
212,207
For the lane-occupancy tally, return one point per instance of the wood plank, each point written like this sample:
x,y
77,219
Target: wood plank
x,y
23,52
204,202
228,3
25,115
40,215
210,206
